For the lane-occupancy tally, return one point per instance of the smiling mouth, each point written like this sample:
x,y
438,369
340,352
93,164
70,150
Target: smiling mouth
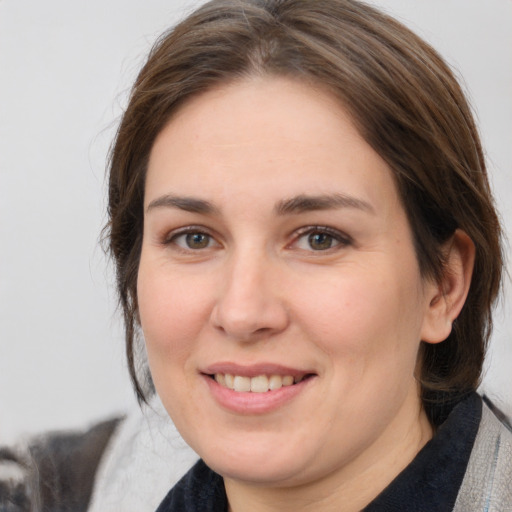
x,y
258,384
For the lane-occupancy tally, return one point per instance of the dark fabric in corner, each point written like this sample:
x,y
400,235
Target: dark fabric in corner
x,y
56,473
66,465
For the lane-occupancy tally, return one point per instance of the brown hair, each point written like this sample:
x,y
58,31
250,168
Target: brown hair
x,y
404,100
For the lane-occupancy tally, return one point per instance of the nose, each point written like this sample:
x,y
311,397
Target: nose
x,y
250,304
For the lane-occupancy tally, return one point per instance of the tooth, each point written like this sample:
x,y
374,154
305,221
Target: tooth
x,y
275,382
287,380
229,381
242,384
259,384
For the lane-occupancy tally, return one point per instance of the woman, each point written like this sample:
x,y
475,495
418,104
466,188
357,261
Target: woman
x,y
304,233
305,240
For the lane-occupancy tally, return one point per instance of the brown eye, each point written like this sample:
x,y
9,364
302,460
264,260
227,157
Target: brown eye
x,y
320,241
197,240
193,240
320,238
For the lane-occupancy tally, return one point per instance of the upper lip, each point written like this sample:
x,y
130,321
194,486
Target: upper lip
x,y
253,370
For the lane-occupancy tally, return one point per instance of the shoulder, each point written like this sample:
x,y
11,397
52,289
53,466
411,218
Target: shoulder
x,y
486,485
55,472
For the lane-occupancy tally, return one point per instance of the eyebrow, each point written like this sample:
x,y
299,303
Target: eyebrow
x,y
189,204
306,203
295,205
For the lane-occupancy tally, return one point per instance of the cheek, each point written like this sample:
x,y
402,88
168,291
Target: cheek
x,y
369,329
366,314
172,313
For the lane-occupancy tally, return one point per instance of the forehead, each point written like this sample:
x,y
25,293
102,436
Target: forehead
x,y
266,136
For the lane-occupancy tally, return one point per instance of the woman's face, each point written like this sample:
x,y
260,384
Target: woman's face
x,y
277,255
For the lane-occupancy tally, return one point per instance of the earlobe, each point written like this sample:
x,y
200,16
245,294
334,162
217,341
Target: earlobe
x,y
446,298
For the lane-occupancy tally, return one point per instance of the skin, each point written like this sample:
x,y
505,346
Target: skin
x,y
258,288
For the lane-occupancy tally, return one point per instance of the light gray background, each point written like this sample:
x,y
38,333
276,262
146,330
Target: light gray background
x,y
65,70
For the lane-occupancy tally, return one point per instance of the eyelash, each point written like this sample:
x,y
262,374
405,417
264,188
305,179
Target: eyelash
x,y
338,237
172,238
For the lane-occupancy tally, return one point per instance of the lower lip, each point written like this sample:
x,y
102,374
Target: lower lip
x,y
255,403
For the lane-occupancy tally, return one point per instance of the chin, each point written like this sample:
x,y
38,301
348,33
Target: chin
x,y
258,462
259,473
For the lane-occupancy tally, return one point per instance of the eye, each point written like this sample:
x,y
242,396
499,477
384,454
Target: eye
x,y
192,240
320,239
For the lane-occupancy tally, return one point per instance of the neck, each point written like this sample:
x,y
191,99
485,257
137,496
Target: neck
x,y
346,489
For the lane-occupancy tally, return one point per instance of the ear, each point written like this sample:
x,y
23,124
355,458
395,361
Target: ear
x,y
444,299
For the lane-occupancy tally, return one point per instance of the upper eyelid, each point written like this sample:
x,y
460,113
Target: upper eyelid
x,y
306,230
188,229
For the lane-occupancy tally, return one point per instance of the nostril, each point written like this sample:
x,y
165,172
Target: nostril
x,y
262,330
246,312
